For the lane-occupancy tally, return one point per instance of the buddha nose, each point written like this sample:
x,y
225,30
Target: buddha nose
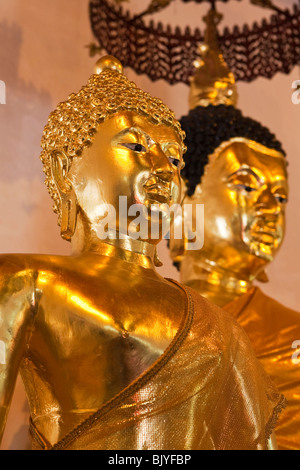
x,y
161,165
267,204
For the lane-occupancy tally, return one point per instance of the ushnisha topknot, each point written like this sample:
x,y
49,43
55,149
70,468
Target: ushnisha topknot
x,y
73,124
207,128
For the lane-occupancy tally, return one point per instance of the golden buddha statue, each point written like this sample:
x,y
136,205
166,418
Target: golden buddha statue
x,y
112,355
238,170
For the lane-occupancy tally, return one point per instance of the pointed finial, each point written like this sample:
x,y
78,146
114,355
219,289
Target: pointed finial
x,y
213,83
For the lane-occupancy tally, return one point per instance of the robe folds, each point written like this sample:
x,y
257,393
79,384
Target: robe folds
x,y
273,329
206,392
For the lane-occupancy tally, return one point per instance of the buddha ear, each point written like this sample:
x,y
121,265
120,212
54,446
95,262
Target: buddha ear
x,y
60,166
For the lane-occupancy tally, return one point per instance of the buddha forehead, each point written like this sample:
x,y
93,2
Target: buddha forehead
x,y
242,153
130,122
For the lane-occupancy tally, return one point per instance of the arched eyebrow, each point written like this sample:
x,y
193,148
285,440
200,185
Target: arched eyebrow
x,y
246,170
138,130
127,130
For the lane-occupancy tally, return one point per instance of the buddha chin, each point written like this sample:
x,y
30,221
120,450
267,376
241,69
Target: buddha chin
x,y
261,239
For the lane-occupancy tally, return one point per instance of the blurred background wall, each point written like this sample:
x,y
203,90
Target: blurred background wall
x,y
43,59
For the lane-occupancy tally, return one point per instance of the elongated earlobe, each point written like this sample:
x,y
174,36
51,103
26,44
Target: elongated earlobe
x,y
157,262
262,277
68,216
60,166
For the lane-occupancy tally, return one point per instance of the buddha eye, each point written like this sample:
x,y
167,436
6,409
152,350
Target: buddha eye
x,y
281,199
135,147
175,162
246,188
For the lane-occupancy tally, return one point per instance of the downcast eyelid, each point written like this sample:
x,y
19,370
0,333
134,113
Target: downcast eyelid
x,y
280,192
148,139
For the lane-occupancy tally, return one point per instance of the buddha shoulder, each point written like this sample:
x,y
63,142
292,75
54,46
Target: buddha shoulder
x,y
26,273
16,267
18,294
72,285
27,266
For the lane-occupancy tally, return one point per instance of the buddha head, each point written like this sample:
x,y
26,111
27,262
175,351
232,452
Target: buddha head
x,y
109,141
237,169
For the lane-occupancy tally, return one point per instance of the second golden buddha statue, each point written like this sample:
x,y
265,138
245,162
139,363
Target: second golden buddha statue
x,y
238,170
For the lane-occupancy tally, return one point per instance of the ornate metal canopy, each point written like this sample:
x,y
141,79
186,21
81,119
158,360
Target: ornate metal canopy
x,y
165,52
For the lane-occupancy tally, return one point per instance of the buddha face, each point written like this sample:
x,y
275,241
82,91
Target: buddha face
x,y
244,191
132,158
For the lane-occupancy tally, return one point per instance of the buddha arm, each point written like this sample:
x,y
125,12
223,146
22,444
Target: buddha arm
x,y
17,306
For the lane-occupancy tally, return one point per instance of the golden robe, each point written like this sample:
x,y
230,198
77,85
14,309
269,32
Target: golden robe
x,y
207,391
272,329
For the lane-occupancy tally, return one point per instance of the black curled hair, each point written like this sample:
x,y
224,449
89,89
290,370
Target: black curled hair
x,y
207,127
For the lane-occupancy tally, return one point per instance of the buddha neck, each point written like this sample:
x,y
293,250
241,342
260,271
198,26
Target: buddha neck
x,y
216,284
132,251
125,249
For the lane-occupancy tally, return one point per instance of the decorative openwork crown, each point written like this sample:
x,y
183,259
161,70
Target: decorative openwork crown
x,y
73,124
162,51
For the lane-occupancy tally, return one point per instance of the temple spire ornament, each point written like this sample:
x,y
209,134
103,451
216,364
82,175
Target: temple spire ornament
x,y
108,62
213,82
